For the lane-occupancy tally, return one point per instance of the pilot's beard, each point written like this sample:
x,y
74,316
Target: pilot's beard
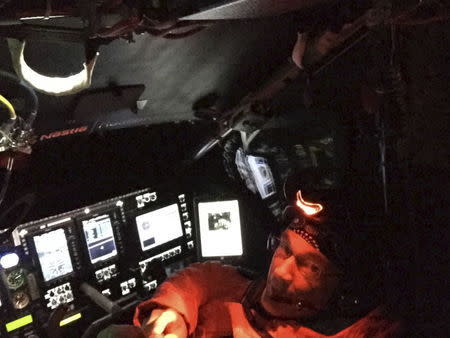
x,y
284,305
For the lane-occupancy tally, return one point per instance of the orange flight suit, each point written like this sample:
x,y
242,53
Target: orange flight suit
x,y
208,296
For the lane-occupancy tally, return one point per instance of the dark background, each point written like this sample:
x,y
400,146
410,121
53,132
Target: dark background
x,y
74,171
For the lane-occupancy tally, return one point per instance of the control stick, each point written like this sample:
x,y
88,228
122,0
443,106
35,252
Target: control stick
x,y
100,299
113,309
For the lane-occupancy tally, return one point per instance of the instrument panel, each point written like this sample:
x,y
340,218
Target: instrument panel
x,y
121,248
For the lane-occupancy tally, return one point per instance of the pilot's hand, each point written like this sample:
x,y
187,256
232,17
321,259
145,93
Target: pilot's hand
x,y
165,323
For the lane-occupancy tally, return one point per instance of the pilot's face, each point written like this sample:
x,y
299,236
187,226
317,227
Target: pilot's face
x,y
298,273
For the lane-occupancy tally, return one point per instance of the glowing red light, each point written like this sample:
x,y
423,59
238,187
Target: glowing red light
x,y
310,209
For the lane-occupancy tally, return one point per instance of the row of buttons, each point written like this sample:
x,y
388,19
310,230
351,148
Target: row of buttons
x,y
162,256
145,198
127,286
185,216
105,274
188,229
59,295
150,286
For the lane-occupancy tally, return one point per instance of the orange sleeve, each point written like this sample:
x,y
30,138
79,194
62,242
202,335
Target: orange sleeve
x,y
193,287
376,324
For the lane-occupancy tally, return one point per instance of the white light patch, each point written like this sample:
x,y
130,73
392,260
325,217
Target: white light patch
x,y
60,221
9,260
49,84
141,104
41,17
87,211
119,203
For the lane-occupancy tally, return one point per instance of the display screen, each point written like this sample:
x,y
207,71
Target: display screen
x,y
220,228
159,226
53,254
99,236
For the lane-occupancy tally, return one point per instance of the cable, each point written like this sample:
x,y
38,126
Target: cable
x,y
9,106
9,167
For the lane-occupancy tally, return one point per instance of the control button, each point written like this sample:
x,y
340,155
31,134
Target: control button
x,y
69,296
125,289
188,224
182,198
51,293
113,269
99,275
20,300
183,207
67,287
189,233
177,250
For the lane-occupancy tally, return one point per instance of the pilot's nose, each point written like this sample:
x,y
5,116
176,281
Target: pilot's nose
x,y
284,269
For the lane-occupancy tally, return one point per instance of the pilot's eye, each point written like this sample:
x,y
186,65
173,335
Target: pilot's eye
x,y
287,250
311,270
315,268
284,251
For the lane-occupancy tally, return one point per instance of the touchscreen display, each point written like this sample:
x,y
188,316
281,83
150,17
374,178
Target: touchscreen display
x,y
99,236
53,254
220,228
159,226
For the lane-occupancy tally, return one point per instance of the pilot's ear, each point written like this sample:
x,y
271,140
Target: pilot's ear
x,y
272,242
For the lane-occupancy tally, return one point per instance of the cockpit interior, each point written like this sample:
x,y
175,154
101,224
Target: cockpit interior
x,y
138,137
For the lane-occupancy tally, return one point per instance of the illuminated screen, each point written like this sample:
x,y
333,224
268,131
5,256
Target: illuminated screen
x,y
220,228
53,254
159,226
99,237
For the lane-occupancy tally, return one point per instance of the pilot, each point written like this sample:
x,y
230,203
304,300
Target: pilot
x,y
299,297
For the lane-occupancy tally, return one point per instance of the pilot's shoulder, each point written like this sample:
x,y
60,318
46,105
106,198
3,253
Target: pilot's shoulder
x,y
248,272
219,268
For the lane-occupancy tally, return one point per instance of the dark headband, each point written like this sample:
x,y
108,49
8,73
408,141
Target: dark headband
x,y
320,237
